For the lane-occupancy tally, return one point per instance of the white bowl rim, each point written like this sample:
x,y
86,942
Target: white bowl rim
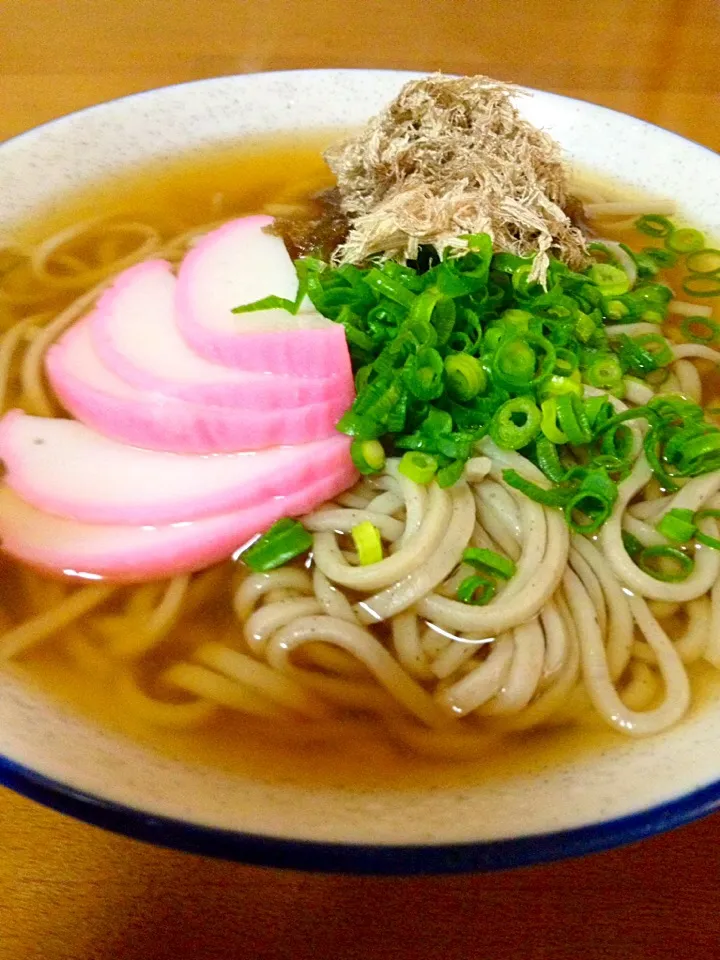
x,y
315,856
329,856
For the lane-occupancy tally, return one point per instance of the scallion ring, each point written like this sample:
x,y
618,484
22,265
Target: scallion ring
x,y
477,590
669,564
685,240
703,262
515,423
465,376
611,280
418,467
702,285
367,455
653,225
700,329
605,373
523,362
368,544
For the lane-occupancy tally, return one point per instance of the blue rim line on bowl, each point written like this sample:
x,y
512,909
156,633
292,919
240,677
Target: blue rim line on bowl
x,y
368,859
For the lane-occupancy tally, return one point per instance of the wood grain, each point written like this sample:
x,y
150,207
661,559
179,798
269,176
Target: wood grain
x,y
70,892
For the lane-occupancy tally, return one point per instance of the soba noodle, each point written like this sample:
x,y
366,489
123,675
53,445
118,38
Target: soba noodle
x,y
578,622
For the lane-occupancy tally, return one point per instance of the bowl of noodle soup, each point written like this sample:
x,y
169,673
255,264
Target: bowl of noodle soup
x,y
582,727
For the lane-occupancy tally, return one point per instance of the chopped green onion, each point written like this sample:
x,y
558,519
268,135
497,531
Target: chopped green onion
x,y
646,265
657,346
515,423
677,525
668,564
594,499
705,538
685,240
653,293
598,247
700,454
477,590
425,305
631,543
700,329
284,541
521,281
584,327
662,257
611,280
548,459
515,361
548,424
266,303
566,363
605,373
423,374
671,406
617,442
489,561
367,455
398,415
616,310
465,375
519,320
515,364
355,425
645,353
653,225
598,411
555,497
573,419
558,385
381,283
449,475
702,285
703,262
418,467
368,544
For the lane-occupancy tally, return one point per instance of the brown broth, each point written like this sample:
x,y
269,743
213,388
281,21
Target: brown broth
x,y
235,180
227,180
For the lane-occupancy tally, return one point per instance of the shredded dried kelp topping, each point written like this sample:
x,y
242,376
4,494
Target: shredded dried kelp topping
x,y
450,157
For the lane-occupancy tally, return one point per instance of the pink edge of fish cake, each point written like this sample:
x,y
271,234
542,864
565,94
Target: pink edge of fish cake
x,y
135,335
99,399
128,554
239,264
65,468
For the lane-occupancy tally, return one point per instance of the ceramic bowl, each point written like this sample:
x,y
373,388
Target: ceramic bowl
x,y
629,791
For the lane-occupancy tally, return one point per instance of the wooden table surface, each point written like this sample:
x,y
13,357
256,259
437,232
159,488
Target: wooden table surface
x,y
71,891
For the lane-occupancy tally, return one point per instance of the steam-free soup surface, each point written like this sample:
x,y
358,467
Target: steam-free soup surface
x,y
278,177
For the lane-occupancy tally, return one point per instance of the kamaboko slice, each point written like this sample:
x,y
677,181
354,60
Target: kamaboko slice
x,y
239,264
66,468
135,335
151,419
130,554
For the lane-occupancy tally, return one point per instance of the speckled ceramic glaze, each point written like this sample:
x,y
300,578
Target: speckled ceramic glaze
x,y
635,789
